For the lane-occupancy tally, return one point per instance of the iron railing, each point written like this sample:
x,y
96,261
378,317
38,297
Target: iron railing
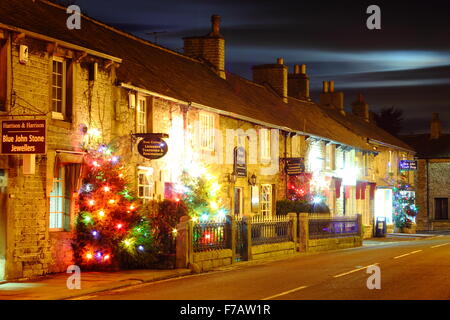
x,y
211,236
271,230
333,227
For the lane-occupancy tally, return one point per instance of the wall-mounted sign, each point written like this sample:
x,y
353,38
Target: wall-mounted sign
x,y
408,165
152,148
295,166
23,136
240,164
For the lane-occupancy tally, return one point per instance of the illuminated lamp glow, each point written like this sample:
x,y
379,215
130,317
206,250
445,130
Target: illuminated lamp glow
x,y
204,217
119,226
112,201
141,248
89,256
106,189
106,257
317,200
91,202
101,213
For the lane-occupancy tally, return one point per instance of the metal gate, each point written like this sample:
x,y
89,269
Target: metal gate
x,y
241,240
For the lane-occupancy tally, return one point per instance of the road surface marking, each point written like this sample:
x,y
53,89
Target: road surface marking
x,y
355,270
285,293
440,245
407,254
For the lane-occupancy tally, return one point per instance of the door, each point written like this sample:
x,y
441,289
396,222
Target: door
x,y
3,208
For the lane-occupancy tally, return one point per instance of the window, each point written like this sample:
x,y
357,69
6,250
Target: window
x,y
206,131
266,200
58,85
141,115
238,202
60,203
441,208
330,156
264,143
145,184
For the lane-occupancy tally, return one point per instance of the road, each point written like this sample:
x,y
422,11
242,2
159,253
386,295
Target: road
x,y
417,269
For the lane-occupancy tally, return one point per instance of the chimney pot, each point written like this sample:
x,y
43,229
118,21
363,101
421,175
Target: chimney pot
x,y
303,69
435,126
331,86
280,61
296,69
325,87
215,25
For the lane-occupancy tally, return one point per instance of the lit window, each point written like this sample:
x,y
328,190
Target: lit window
x,y
145,184
58,86
206,131
264,143
59,204
266,200
141,115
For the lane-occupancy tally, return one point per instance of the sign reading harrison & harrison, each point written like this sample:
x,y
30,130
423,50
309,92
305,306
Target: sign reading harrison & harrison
x,y
23,136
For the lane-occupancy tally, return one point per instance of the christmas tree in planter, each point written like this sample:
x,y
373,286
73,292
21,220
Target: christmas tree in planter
x,y
110,231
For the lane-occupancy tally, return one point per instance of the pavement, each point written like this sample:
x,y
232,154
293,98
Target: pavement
x,y
54,287
106,285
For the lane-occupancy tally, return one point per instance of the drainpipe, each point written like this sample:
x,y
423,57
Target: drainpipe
x,y
430,224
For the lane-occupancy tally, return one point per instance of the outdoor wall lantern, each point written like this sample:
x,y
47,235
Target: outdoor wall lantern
x,y
232,177
252,180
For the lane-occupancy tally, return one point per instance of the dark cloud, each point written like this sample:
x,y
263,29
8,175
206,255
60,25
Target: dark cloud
x,y
406,64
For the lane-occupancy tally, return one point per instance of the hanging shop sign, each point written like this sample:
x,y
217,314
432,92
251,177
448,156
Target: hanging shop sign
x,y
23,136
152,148
408,165
295,166
240,164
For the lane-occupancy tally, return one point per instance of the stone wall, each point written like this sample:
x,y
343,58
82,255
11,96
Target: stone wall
x,y
264,251
315,245
205,261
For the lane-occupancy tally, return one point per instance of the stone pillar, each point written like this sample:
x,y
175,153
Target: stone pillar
x,y
248,240
184,249
360,228
293,217
304,232
231,232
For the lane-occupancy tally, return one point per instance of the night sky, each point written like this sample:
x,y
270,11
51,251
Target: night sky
x,y
406,64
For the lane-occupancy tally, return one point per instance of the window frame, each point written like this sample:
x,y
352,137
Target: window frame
x,y
59,115
441,217
266,204
207,126
146,173
60,187
141,127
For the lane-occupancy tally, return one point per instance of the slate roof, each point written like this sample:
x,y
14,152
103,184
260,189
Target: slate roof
x,y
169,73
429,148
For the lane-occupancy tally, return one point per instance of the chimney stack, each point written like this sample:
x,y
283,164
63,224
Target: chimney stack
x,y
274,75
210,47
330,98
298,83
360,108
435,127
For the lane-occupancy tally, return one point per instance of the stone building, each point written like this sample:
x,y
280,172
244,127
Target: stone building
x,y
99,84
433,177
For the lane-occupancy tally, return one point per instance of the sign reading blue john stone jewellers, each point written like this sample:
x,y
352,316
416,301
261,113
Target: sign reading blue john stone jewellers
x,y
295,166
408,165
240,164
152,148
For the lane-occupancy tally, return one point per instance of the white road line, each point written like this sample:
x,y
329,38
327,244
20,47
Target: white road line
x,y
355,270
285,293
440,245
407,254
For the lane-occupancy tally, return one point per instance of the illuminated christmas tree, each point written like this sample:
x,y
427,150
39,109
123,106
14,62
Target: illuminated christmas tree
x,y
405,209
111,233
